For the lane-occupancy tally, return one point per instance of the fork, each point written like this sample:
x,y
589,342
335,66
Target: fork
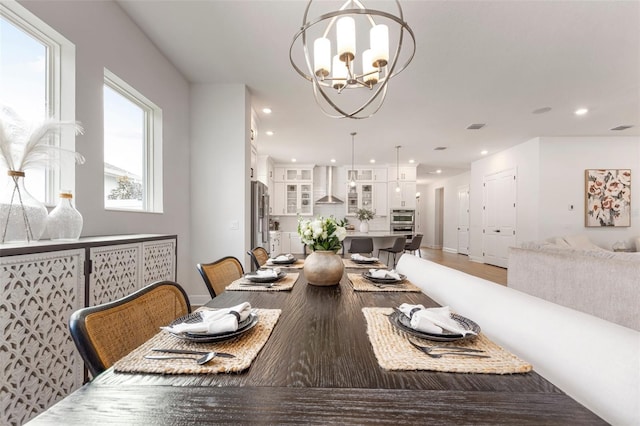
x,y
457,350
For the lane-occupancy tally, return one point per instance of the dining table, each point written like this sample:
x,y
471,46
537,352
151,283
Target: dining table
x,y
318,366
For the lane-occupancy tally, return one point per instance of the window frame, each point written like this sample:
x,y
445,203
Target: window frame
x,y
60,91
152,200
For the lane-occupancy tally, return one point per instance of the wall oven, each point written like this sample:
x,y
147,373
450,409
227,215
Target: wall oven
x,y
403,220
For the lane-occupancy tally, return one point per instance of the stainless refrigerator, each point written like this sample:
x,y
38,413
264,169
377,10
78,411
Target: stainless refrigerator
x,y
259,215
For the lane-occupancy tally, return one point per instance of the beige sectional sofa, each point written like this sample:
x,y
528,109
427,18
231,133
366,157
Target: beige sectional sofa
x,y
594,361
581,276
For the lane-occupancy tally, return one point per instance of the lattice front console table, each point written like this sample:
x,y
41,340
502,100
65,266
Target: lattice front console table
x,y
41,285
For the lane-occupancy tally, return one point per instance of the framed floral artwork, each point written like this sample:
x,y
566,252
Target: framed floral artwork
x,y
608,197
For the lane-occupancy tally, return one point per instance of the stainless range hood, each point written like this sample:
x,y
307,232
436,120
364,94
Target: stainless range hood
x,y
329,198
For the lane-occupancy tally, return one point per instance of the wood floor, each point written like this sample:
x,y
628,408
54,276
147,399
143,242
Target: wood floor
x,y
462,263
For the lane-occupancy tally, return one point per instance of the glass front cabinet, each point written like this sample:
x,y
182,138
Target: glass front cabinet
x,y
360,196
293,199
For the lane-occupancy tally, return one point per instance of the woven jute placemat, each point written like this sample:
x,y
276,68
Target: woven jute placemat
x,y
360,283
348,263
298,264
243,284
245,347
394,352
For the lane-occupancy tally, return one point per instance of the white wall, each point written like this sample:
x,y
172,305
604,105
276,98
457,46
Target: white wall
x,y
220,179
562,163
105,37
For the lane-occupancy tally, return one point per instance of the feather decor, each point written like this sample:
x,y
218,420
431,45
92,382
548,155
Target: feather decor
x,y
23,148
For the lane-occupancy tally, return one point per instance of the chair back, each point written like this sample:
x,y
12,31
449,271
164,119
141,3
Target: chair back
x,y
219,274
398,245
261,255
105,333
415,243
361,245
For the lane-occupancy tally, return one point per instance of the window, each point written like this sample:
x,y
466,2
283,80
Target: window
x,y
37,81
132,148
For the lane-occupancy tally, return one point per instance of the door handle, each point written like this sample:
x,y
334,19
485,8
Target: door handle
x,y
497,230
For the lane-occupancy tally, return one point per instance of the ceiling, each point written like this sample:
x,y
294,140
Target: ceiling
x,y
492,62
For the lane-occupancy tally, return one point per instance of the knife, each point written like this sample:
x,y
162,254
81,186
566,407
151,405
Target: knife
x,y
189,352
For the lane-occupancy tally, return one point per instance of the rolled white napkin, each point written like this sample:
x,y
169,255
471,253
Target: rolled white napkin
x,y
281,258
358,256
383,273
215,321
267,273
432,320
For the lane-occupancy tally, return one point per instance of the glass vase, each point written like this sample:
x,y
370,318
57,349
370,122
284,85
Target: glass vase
x,y
22,217
64,221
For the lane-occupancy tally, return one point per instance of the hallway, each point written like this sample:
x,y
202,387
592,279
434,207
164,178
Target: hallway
x,y
462,263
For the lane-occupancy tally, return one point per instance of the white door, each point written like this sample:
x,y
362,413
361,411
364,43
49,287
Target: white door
x,y
463,220
499,216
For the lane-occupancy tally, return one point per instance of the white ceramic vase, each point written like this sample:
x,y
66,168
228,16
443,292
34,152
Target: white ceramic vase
x,y
364,226
323,268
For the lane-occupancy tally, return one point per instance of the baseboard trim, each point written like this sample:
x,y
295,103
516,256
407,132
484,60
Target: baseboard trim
x,y
476,259
450,250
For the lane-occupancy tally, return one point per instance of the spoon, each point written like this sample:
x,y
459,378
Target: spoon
x,y
201,361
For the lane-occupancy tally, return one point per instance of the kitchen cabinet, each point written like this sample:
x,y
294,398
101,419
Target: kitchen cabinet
x,y
43,283
291,199
275,245
367,174
360,196
289,174
295,244
405,198
404,173
372,196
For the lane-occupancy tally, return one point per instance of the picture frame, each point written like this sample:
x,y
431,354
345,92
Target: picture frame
x,y
607,197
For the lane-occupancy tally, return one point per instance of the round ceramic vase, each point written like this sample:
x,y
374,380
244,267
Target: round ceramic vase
x,y
323,268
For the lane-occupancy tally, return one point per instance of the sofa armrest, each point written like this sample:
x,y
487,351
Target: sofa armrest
x,y
592,360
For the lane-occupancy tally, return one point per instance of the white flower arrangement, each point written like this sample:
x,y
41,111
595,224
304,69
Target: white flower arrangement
x,y
321,234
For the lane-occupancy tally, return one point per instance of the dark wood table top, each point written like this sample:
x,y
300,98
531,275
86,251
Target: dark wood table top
x,y
318,366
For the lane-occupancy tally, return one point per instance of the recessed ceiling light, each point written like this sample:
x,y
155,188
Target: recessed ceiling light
x,y
293,160
269,133
266,110
581,111
373,160
412,161
484,152
333,160
438,171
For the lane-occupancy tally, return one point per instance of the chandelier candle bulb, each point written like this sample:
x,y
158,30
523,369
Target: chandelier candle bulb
x,y
346,38
370,73
379,39
339,73
322,57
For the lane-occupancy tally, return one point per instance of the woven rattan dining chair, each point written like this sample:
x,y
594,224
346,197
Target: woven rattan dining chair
x,y
105,333
414,245
259,256
398,247
219,274
361,246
